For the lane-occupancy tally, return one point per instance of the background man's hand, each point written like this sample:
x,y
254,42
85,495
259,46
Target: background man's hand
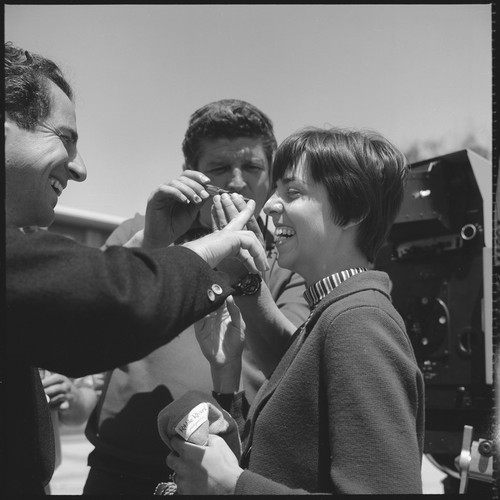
x,y
60,390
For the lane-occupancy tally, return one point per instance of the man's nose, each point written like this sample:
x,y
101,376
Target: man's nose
x,y
77,169
237,182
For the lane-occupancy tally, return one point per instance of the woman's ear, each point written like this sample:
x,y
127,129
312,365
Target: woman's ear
x,y
353,223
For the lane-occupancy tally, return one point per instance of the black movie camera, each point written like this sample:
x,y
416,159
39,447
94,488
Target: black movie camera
x,y
439,259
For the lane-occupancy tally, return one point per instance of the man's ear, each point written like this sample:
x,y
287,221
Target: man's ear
x,y
7,125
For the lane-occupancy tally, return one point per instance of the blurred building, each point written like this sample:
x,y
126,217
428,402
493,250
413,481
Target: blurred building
x,y
89,228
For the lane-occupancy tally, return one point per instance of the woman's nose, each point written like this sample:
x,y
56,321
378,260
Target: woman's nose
x,y
273,206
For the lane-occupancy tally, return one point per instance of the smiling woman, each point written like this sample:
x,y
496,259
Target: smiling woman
x,y
301,213
325,194
348,389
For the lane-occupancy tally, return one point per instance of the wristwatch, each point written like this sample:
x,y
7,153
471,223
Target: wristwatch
x,y
248,284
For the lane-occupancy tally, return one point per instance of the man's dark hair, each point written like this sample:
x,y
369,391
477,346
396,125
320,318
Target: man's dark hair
x,y
229,119
27,90
363,173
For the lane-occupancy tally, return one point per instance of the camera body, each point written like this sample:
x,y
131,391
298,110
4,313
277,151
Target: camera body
x,y
439,259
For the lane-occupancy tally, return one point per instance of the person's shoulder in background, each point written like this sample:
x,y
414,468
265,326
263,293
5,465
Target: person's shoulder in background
x,y
125,231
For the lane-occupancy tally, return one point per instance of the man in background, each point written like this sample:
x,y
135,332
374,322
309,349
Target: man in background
x,y
231,142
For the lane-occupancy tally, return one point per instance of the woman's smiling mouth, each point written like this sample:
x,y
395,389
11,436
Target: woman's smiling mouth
x,y
282,233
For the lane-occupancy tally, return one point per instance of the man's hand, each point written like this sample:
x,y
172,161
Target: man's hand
x,y
60,390
204,470
229,241
73,401
173,207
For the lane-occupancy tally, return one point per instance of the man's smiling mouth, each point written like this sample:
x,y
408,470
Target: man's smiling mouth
x,y
56,186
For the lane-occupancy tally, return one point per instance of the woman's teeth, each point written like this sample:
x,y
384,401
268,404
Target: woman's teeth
x,y
283,233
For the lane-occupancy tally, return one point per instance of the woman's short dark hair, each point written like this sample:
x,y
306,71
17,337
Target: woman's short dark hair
x,y
27,91
364,175
229,119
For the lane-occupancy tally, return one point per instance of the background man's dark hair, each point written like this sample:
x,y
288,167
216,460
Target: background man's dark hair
x,y
27,90
229,119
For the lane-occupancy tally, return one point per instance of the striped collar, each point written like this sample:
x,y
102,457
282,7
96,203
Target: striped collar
x,y
323,287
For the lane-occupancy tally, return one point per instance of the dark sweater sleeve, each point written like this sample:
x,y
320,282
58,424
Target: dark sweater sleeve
x,y
77,310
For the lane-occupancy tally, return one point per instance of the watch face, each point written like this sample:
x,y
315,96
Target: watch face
x,y
250,284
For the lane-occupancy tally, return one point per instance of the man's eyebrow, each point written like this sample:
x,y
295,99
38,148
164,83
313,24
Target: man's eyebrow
x,y
255,159
218,163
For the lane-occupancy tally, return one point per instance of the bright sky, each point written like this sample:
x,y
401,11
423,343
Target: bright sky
x,y
412,72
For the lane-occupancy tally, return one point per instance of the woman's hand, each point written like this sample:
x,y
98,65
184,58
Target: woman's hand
x,y
226,208
221,335
173,207
204,470
232,241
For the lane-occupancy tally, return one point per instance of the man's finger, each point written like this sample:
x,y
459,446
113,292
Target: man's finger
x,y
196,175
215,247
254,258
